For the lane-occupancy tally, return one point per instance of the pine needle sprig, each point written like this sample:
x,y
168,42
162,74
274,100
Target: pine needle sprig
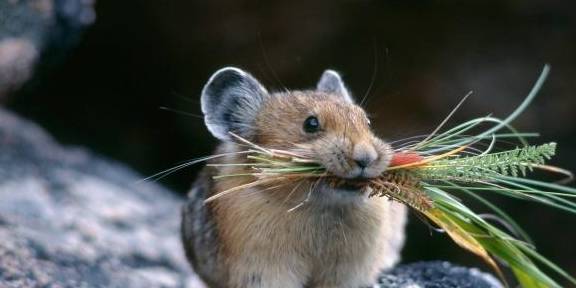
x,y
513,163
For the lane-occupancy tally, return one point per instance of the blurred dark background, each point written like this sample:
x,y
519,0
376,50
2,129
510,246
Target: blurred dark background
x,y
414,59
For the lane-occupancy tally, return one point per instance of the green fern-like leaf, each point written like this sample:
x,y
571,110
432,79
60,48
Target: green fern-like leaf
x,y
516,162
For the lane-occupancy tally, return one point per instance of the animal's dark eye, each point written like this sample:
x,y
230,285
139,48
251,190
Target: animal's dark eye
x,y
311,124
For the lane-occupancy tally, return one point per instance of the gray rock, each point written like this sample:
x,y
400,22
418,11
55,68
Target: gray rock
x,y
71,219
437,274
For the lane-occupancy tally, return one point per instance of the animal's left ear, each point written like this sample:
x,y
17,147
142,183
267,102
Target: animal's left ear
x,y
332,83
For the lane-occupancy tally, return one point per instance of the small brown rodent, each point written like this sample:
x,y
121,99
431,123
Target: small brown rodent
x,y
338,238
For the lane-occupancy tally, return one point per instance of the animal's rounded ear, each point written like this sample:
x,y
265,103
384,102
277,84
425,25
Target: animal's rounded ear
x,y
332,83
230,102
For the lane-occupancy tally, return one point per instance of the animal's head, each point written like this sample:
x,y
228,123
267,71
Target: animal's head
x,y
324,121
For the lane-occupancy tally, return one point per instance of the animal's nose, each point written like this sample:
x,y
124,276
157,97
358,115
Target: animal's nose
x,y
364,155
364,161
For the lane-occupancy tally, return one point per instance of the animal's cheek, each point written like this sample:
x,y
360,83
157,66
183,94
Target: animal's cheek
x,y
383,161
385,152
333,164
333,153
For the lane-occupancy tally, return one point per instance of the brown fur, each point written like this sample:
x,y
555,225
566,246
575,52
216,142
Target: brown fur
x,y
335,238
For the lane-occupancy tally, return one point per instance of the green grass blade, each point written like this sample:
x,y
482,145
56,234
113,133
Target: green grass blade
x,y
521,232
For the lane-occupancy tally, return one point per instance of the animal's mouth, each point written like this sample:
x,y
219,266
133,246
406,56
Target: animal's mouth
x,y
354,184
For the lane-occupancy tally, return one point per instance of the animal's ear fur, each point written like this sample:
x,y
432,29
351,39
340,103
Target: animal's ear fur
x,y
332,83
230,102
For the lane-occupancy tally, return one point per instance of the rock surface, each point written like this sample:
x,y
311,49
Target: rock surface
x,y
71,219
437,274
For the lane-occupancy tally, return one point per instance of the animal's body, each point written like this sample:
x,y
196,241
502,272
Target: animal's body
x,y
336,237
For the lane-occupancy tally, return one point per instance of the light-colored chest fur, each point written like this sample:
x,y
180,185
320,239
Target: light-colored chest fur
x,y
312,245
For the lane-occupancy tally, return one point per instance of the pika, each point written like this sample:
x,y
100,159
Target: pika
x,y
338,238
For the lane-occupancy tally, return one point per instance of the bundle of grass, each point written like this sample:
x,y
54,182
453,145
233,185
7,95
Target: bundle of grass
x,y
427,174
